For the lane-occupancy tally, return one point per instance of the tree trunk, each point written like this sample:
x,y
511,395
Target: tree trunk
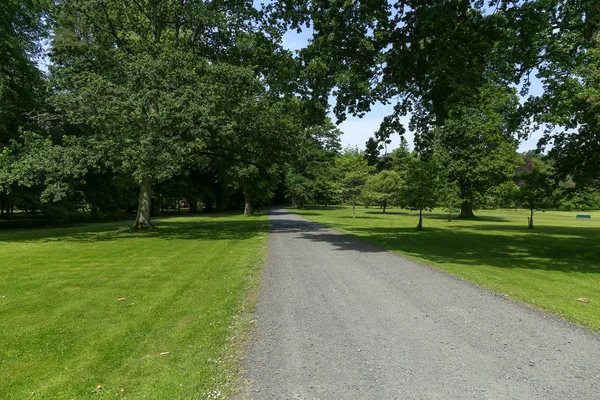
x,y
353,208
294,202
384,206
209,204
420,226
193,205
142,220
248,207
300,203
2,210
531,220
466,211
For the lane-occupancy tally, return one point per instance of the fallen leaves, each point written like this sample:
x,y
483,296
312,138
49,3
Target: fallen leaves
x,y
122,299
164,353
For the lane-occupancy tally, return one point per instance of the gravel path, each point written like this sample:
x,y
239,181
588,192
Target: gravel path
x,y
339,318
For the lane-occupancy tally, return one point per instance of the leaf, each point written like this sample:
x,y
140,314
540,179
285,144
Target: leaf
x,y
583,299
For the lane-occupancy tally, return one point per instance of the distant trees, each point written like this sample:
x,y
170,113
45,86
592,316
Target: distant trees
x,y
352,172
200,101
383,189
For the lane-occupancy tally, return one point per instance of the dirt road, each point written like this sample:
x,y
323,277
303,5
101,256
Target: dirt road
x,y
342,319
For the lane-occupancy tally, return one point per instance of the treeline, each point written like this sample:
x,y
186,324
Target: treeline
x,y
404,179
161,103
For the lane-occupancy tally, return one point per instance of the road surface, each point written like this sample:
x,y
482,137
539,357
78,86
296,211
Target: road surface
x,y
339,318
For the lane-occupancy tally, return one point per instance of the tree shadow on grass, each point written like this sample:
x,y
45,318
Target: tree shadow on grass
x,y
574,251
209,227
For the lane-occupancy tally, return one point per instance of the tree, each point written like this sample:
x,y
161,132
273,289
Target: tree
x,y
155,85
372,148
536,188
449,198
478,144
570,104
22,28
352,174
310,173
382,188
421,186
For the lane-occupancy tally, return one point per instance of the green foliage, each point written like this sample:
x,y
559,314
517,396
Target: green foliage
x,y
310,175
504,195
477,145
352,172
383,189
449,198
22,26
372,152
536,189
570,104
421,186
584,199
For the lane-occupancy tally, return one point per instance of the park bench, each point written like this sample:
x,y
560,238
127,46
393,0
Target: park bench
x,y
583,216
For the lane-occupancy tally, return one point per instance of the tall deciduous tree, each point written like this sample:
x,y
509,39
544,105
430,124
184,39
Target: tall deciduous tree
x,y
22,28
570,104
478,144
158,83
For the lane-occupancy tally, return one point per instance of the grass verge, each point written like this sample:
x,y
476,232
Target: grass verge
x,y
87,311
549,267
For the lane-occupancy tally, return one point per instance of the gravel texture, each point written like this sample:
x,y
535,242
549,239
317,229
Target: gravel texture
x,y
339,318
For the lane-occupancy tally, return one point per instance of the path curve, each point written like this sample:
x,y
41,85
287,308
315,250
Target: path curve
x,y
339,318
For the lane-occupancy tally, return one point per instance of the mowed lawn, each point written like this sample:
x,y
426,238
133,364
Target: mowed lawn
x,y
86,312
549,267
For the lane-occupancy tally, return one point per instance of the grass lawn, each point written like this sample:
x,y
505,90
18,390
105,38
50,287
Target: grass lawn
x,y
97,305
549,267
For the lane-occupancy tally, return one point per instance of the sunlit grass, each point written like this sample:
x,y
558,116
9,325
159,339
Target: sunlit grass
x,y
97,305
549,267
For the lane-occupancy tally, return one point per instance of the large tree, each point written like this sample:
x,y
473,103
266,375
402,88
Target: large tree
x,y
157,84
478,145
23,26
570,73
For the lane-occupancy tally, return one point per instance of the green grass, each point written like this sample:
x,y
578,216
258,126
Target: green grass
x,y
63,330
549,267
